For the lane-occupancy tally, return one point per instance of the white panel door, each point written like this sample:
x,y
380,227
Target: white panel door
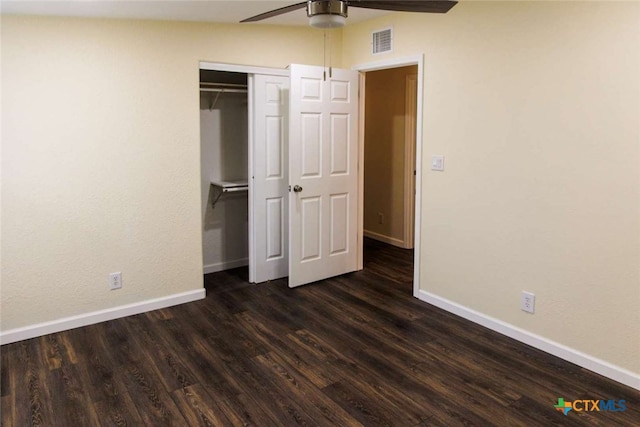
x,y
269,195
323,174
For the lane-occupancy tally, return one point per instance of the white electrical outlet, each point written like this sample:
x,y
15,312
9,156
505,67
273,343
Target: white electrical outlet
x,y
528,302
115,280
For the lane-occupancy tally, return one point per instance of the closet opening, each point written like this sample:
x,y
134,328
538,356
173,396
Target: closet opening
x,y
224,161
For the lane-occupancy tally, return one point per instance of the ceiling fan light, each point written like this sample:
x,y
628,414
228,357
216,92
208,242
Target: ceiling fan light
x,y
327,21
327,13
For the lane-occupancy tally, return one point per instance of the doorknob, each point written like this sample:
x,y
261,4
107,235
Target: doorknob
x,y
297,189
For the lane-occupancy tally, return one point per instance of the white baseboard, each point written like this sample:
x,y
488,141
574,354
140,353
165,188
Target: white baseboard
x,y
64,324
382,238
226,265
584,360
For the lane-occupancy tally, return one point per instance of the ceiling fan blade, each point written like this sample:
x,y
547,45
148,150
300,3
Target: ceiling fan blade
x,y
276,12
425,6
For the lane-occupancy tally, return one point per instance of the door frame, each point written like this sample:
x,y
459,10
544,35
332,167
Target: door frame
x,y
410,140
383,65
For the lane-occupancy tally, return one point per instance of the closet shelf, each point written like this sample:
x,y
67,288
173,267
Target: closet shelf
x,y
228,187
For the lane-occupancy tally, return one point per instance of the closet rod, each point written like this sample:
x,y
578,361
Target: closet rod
x,y
226,86
221,88
218,84
225,90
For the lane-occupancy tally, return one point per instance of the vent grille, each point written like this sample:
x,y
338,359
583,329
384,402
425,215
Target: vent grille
x,y
382,41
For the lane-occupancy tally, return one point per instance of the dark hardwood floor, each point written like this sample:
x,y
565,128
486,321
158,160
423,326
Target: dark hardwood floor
x,y
353,350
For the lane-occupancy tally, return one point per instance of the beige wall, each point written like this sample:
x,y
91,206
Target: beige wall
x,y
384,141
101,155
536,106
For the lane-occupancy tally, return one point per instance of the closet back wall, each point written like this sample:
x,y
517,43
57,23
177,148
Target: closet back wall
x,y
109,178
223,133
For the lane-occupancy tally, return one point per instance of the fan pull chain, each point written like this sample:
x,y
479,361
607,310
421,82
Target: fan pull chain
x,y
324,55
330,59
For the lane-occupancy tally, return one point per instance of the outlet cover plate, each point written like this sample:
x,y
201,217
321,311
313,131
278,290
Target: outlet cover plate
x,y
528,302
115,280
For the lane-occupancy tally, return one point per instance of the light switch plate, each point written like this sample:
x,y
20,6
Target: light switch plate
x,y
437,163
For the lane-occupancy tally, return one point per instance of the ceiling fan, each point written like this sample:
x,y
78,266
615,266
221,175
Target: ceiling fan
x,y
333,13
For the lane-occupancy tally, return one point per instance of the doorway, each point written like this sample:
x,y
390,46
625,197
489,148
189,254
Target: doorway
x,y
227,163
224,169
389,155
412,128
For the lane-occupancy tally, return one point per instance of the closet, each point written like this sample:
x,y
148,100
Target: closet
x,y
224,169
283,206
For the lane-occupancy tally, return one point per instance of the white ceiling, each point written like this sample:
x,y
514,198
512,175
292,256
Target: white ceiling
x,y
229,11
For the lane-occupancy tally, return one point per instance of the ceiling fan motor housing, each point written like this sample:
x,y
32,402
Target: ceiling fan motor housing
x,y
326,13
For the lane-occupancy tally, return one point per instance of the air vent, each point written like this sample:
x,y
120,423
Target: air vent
x,y
382,41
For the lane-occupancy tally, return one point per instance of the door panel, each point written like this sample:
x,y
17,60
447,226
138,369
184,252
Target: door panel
x,y
339,225
275,215
311,142
340,91
323,164
311,228
269,191
275,147
339,144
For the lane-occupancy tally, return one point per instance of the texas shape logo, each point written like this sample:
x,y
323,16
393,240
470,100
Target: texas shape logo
x,y
563,406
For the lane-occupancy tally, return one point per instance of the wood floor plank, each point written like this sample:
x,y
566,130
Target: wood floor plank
x,y
198,408
314,402
454,397
160,357
7,356
304,361
12,409
31,395
210,369
319,374
361,406
95,363
359,286
73,406
275,405
118,410
8,411
52,350
229,374
155,406
196,352
122,347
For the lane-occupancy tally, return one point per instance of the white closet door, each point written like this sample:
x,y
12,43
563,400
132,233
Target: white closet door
x,y
323,174
269,195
